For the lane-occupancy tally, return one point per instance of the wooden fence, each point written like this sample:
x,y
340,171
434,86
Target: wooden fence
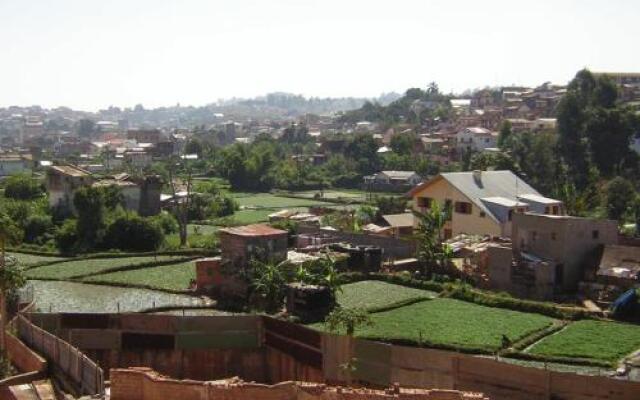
x,y
85,376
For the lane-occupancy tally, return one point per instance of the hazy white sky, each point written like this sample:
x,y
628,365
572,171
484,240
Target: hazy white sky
x,y
89,54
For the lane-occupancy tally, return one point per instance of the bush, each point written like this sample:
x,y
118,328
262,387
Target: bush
x,y
223,206
22,187
134,233
66,237
167,222
36,227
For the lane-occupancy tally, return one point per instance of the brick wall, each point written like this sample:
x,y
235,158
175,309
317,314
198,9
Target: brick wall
x,y
145,384
22,357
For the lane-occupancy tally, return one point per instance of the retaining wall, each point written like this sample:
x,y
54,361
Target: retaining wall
x,y
144,384
267,350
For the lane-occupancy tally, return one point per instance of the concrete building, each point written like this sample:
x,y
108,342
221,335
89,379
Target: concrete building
x,y
475,139
62,181
481,202
550,254
11,164
392,180
145,135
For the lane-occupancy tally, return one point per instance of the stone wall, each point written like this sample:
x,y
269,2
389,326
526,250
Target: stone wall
x,y
145,384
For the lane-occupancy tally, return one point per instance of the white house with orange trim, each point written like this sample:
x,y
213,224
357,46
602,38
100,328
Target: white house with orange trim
x,y
481,202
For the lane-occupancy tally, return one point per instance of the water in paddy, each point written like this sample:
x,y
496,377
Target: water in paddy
x,y
60,296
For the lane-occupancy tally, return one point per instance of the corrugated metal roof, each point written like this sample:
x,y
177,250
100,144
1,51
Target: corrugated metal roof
x,y
399,220
253,230
489,184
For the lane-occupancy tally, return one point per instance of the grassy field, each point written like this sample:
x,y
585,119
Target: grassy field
x,y
597,340
173,276
268,200
452,323
70,269
30,259
372,295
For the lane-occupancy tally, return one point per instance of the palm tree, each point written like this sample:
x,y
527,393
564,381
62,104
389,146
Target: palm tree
x,y
432,252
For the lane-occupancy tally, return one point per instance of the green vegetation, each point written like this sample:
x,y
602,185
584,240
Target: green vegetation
x,y
453,324
169,277
376,295
595,340
267,200
70,269
25,259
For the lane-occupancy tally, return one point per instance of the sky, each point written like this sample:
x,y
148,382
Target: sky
x,y
89,54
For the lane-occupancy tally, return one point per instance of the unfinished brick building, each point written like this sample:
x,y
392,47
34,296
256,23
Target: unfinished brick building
x,y
241,244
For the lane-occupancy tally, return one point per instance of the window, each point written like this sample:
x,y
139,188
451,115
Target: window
x,y
595,234
553,236
483,214
534,236
556,210
463,207
510,215
424,202
547,210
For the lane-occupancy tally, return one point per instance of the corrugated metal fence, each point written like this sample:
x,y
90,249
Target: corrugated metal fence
x,y
86,376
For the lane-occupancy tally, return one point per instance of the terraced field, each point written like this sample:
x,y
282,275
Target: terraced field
x,y
31,259
69,269
172,277
595,340
374,295
268,200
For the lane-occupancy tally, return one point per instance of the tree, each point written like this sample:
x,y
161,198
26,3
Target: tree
x,y
86,128
403,143
11,276
22,187
134,233
506,135
181,205
432,252
620,196
89,203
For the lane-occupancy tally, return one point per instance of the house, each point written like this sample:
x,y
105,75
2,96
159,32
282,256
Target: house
x,y
398,179
140,194
137,158
551,254
12,164
145,135
239,245
475,139
481,202
62,181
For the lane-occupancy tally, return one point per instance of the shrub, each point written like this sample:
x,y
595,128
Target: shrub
x,y
223,206
167,222
35,228
22,187
134,233
66,237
